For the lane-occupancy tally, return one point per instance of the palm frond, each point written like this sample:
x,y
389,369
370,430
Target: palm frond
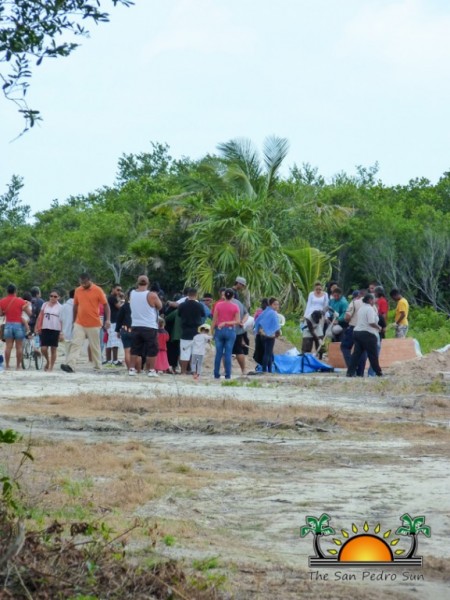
x,y
275,150
309,265
242,152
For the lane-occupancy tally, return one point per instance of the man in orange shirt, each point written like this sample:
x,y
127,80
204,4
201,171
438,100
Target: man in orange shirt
x,y
86,322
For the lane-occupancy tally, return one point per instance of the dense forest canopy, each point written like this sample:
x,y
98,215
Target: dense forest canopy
x,y
204,222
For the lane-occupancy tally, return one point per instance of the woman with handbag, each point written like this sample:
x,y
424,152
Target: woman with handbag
x,y
14,331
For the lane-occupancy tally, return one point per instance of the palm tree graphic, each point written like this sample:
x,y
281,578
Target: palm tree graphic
x,y
318,527
413,527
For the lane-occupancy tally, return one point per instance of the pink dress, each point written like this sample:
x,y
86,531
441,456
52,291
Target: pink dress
x,y
162,364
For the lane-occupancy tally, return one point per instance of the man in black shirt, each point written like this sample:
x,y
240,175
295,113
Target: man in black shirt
x,y
36,305
191,314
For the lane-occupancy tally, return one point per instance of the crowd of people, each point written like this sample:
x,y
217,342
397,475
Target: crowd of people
x,y
159,336
359,325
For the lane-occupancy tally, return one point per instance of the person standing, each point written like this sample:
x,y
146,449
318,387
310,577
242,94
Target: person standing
x,y
365,337
268,326
201,341
338,308
351,317
223,329
145,307
401,314
191,314
240,346
87,323
173,326
317,300
36,305
123,328
11,307
241,292
67,322
258,354
115,301
162,364
49,328
381,303
207,302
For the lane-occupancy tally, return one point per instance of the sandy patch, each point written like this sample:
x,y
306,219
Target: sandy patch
x,y
232,471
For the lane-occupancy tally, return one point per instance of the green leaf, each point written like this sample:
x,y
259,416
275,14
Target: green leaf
x,y
403,531
9,436
425,530
418,522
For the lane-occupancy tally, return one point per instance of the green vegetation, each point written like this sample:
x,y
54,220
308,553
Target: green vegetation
x,y
96,566
204,222
33,31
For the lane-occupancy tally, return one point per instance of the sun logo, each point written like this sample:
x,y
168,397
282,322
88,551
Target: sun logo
x,y
363,548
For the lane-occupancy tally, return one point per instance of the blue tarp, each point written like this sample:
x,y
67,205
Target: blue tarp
x,y
303,363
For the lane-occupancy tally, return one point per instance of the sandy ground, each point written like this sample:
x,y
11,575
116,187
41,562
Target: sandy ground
x,y
231,471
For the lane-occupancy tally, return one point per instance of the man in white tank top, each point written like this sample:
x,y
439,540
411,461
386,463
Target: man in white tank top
x,y
145,307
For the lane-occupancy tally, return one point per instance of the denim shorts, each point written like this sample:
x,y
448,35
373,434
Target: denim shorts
x,y
14,331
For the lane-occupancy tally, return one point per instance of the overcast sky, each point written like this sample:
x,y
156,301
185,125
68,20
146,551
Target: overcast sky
x,y
348,82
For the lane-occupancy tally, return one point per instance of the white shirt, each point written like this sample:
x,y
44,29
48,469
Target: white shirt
x,y
51,316
200,342
67,319
142,314
316,303
366,317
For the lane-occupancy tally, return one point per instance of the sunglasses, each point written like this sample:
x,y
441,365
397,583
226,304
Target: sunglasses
x,y
53,295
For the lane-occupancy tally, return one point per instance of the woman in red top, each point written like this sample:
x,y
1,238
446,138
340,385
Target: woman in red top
x,y
225,318
12,308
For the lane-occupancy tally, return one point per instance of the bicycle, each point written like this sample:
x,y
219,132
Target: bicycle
x,y
31,353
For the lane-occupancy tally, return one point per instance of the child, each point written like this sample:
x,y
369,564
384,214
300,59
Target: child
x,y
200,342
162,364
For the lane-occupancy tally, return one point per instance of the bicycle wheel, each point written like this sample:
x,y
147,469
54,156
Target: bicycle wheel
x,y
38,360
27,353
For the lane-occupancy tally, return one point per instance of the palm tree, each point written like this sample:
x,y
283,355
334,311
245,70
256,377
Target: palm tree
x,y
227,208
308,266
238,170
318,527
231,240
244,171
413,527
143,253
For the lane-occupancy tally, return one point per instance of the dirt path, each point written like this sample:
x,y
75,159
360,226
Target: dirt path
x,y
231,471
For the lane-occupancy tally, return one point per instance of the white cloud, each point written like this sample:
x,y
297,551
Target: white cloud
x,y
204,26
404,36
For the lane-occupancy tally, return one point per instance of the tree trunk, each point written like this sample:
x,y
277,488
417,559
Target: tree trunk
x,y
316,546
412,551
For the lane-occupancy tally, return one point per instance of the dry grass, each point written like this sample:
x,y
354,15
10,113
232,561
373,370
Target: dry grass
x,y
228,415
101,478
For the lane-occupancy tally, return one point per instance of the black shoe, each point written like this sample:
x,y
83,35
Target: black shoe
x,y
67,369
